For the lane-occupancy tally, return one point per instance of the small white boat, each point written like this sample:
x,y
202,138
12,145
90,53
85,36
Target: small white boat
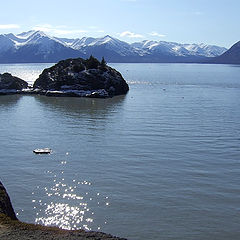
x,y
42,151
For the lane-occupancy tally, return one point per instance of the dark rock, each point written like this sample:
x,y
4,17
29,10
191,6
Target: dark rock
x,y
5,203
9,82
80,77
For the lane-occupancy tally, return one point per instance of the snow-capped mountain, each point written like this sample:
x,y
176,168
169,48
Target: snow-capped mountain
x,y
110,43
83,42
179,49
36,46
33,46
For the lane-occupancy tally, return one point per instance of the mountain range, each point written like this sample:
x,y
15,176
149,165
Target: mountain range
x,y
36,46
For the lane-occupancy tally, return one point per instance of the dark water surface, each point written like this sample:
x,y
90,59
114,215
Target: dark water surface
x,y
162,162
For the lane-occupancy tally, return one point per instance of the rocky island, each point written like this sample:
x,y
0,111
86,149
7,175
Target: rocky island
x,y
12,229
11,85
72,78
80,77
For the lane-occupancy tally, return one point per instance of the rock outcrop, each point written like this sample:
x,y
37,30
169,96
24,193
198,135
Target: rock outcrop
x,y
11,84
5,203
12,229
81,78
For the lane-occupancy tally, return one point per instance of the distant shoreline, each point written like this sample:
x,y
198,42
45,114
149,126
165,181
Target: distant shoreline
x,y
7,63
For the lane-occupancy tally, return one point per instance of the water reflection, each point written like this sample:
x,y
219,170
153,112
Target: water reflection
x,y
76,106
9,100
67,202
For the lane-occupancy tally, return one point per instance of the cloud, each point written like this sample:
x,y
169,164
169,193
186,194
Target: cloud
x,y
156,34
58,30
9,26
130,34
65,30
44,28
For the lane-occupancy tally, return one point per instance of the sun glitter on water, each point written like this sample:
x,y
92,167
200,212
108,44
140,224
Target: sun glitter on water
x,y
67,203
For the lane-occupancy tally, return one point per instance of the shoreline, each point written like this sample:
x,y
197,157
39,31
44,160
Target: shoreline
x,y
99,93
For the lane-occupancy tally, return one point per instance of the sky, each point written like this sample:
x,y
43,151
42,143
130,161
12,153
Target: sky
x,y
213,22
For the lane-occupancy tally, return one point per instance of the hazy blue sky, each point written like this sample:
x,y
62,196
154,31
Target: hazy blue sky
x,y
185,21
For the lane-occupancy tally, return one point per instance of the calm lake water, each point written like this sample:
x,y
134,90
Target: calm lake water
x,y
162,162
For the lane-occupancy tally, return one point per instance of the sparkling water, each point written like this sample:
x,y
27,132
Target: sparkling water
x,y
162,162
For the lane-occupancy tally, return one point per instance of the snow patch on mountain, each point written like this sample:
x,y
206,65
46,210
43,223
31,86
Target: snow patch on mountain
x,y
83,42
25,35
179,49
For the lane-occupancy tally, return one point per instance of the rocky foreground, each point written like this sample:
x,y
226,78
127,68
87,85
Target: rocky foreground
x,y
12,229
71,78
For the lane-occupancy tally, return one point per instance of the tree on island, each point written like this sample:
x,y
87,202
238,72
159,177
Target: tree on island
x,y
103,65
92,62
103,62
